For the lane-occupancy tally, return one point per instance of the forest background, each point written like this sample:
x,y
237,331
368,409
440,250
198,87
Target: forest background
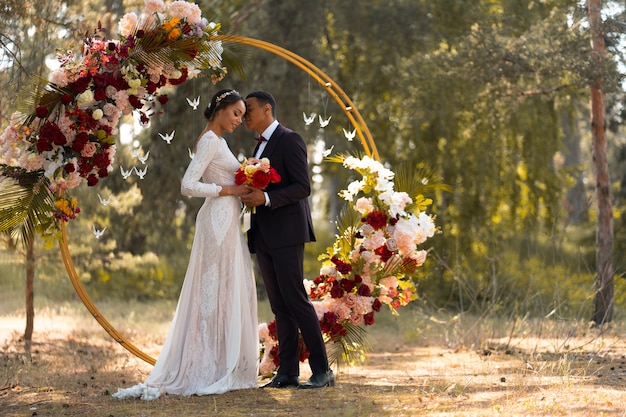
x,y
488,97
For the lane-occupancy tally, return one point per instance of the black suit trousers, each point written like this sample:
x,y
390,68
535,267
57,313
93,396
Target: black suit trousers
x,y
282,270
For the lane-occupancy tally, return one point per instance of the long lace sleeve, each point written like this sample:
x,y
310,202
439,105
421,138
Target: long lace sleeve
x,y
192,184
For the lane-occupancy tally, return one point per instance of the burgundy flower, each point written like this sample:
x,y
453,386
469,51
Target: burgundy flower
x,y
271,327
347,284
100,94
377,219
52,133
80,85
330,317
101,160
274,355
364,291
144,118
66,99
163,99
79,142
336,291
376,305
135,102
384,253
41,111
43,145
368,319
103,173
180,80
84,167
319,279
92,180
69,168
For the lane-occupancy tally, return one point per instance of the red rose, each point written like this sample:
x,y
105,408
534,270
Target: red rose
x,y
163,99
377,219
69,168
66,99
84,168
336,291
41,111
271,327
260,179
43,145
368,319
384,253
376,305
180,80
100,95
80,85
347,284
274,355
135,102
101,160
364,291
240,177
52,133
274,175
330,317
92,180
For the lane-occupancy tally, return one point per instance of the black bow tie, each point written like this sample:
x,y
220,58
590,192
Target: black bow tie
x,y
260,139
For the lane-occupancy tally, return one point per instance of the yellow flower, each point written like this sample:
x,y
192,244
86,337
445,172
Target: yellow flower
x,y
171,24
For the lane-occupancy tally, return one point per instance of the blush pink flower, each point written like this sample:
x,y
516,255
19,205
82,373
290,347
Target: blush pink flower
x,y
88,150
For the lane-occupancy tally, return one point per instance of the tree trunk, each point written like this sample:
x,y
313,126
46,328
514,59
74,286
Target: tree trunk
x,y
30,277
603,302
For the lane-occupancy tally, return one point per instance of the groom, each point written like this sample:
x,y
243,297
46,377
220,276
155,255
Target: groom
x,y
280,226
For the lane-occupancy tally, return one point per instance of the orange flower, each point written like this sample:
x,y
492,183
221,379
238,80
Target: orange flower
x,y
174,34
171,24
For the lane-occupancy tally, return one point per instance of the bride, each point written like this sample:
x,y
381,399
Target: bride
x,y
212,344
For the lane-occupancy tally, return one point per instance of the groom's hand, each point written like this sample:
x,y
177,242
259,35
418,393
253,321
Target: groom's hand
x,y
254,198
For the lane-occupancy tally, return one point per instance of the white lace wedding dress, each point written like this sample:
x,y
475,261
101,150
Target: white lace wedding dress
x,y
212,345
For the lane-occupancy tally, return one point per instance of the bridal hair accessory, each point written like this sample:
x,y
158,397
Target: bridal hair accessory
x,y
221,97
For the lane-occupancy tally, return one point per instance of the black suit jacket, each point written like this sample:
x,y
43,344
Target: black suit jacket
x,y
288,221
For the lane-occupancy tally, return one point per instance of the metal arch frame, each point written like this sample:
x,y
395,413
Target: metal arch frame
x,y
331,87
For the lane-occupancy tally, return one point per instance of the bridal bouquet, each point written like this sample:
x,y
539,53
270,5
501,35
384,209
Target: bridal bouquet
x,y
257,173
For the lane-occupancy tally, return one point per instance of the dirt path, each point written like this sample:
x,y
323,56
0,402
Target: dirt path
x,y
72,369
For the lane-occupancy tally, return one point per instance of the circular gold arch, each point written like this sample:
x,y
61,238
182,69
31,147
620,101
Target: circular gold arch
x,y
331,87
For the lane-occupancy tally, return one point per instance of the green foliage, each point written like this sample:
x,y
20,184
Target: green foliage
x,y
482,96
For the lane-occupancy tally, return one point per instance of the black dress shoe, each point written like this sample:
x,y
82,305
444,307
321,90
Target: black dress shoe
x,y
282,381
322,379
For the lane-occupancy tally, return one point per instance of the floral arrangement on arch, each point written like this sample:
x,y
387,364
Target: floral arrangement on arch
x,y
372,263
66,134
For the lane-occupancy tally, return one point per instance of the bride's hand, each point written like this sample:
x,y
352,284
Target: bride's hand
x,y
238,190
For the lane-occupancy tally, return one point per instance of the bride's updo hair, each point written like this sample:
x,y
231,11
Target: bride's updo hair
x,y
221,100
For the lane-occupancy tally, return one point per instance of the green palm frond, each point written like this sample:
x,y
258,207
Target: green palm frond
x,y
352,347
26,207
347,223
417,181
234,56
30,97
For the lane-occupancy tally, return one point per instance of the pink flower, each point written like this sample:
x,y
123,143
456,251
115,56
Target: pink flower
x,y
153,6
88,150
128,24
185,10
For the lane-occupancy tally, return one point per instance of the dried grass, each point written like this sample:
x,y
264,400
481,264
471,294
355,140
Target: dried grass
x,y
73,367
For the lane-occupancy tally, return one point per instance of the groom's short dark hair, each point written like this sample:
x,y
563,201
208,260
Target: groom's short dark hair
x,y
264,97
